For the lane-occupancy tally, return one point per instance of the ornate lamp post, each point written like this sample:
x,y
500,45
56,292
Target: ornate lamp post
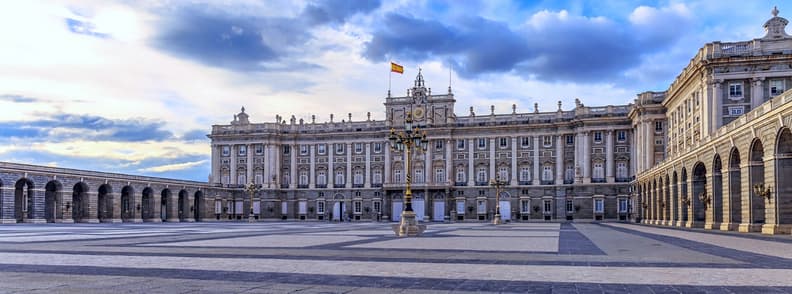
x,y
497,183
762,191
252,189
411,137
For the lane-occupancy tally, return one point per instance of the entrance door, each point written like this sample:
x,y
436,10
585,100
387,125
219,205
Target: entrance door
x,y
505,210
419,208
339,210
396,211
439,211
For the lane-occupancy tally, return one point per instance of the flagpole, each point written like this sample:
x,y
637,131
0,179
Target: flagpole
x,y
390,73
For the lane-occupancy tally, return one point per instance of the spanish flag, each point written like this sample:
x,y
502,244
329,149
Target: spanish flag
x,y
397,68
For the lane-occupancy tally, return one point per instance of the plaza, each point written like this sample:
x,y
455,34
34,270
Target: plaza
x,y
320,257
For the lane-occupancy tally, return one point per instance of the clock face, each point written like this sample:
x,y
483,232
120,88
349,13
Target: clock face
x,y
418,112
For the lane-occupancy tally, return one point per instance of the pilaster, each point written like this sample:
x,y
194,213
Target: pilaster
x,y
93,207
559,168
609,157
536,175
66,207
37,215
116,207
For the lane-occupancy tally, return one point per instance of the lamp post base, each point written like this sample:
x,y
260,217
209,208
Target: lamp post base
x,y
252,218
497,219
408,227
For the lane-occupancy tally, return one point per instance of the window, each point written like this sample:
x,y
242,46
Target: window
x,y
419,176
321,178
503,174
621,136
598,137
321,149
482,143
481,176
439,175
569,174
599,205
776,87
622,205
358,179
377,178
598,172
339,178
358,148
547,141
460,144
570,207
303,178
377,206
570,140
460,206
460,175
658,141
735,91
438,145
303,149
242,150
286,149
548,207
658,126
621,170
397,176
377,147
259,149
525,141
320,207
226,150
736,110
339,148
218,206
241,178
481,206
357,206
525,174
547,173
503,142
525,206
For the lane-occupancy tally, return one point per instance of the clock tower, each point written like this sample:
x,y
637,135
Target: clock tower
x,y
426,109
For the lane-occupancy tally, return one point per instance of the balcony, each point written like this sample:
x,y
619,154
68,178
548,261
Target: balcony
x,y
321,186
460,184
482,183
337,186
569,181
302,186
378,185
623,180
525,183
600,180
547,182
284,186
357,185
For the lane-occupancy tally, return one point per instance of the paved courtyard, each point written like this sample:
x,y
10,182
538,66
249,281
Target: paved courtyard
x,y
317,257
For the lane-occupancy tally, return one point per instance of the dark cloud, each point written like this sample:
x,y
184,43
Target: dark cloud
x,y
18,98
69,126
245,42
554,48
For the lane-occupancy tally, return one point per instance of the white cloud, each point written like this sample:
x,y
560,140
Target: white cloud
x,y
172,167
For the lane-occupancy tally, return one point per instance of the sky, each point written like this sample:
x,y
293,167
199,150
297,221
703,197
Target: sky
x,y
135,86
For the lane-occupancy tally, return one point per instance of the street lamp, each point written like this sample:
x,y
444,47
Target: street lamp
x,y
252,189
411,137
497,183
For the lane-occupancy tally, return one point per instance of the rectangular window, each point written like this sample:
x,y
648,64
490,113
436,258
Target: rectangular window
x,y
460,176
419,176
598,137
735,91
503,142
321,149
339,148
525,174
321,178
481,206
259,149
377,147
658,126
226,151
570,207
658,141
621,136
736,110
623,205
358,148
397,176
547,141
460,206
482,175
242,150
570,140
461,144
377,206
439,176
525,141
218,207
303,178
339,178
286,149
548,207
358,180
320,207
358,207
776,87
599,206
377,178
303,149
482,143
525,206
503,174
439,145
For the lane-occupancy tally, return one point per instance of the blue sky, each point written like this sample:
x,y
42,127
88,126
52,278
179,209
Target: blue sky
x,y
134,86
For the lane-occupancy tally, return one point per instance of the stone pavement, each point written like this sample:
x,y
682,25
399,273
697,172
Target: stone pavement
x,y
314,257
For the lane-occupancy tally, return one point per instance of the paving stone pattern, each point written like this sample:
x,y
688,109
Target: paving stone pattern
x,y
314,257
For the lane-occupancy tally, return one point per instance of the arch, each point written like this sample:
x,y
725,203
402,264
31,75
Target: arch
x,y
667,199
128,206
717,191
674,196
184,205
166,209
756,177
79,205
684,197
735,187
105,203
23,200
52,199
783,172
699,180
198,206
147,204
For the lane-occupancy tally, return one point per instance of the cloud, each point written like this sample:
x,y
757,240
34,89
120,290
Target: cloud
x,y
70,126
549,46
83,28
323,12
172,167
18,98
196,135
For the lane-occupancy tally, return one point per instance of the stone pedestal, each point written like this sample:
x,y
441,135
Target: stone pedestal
x,y
116,220
745,228
774,229
408,227
728,227
35,221
497,219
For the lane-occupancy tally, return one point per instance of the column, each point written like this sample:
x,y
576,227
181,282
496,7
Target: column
x,y
116,197
673,203
648,142
348,173
586,159
727,219
633,151
746,200
513,180
233,172
387,168
717,110
293,167
492,172
449,162
330,171
609,157
559,176
275,154
428,176
312,170
137,201
536,175
757,93
7,194
37,199
578,158
249,177
266,162
215,164
156,210
367,172
471,172
681,193
92,203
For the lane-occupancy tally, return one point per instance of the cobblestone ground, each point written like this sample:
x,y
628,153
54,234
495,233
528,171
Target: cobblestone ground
x,y
314,257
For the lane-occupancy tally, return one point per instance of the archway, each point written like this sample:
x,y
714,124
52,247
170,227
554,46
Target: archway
x,y
80,202
717,191
419,206
23,200
339,209
165,208
105,203
438,207
184,206
198,206
699,188
674,197
685,197
735,187
505,205
52,197
783,164
128,207
667,200
147,204
397,205
756,177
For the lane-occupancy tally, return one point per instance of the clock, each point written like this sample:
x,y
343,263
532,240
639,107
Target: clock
x,y
418,112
